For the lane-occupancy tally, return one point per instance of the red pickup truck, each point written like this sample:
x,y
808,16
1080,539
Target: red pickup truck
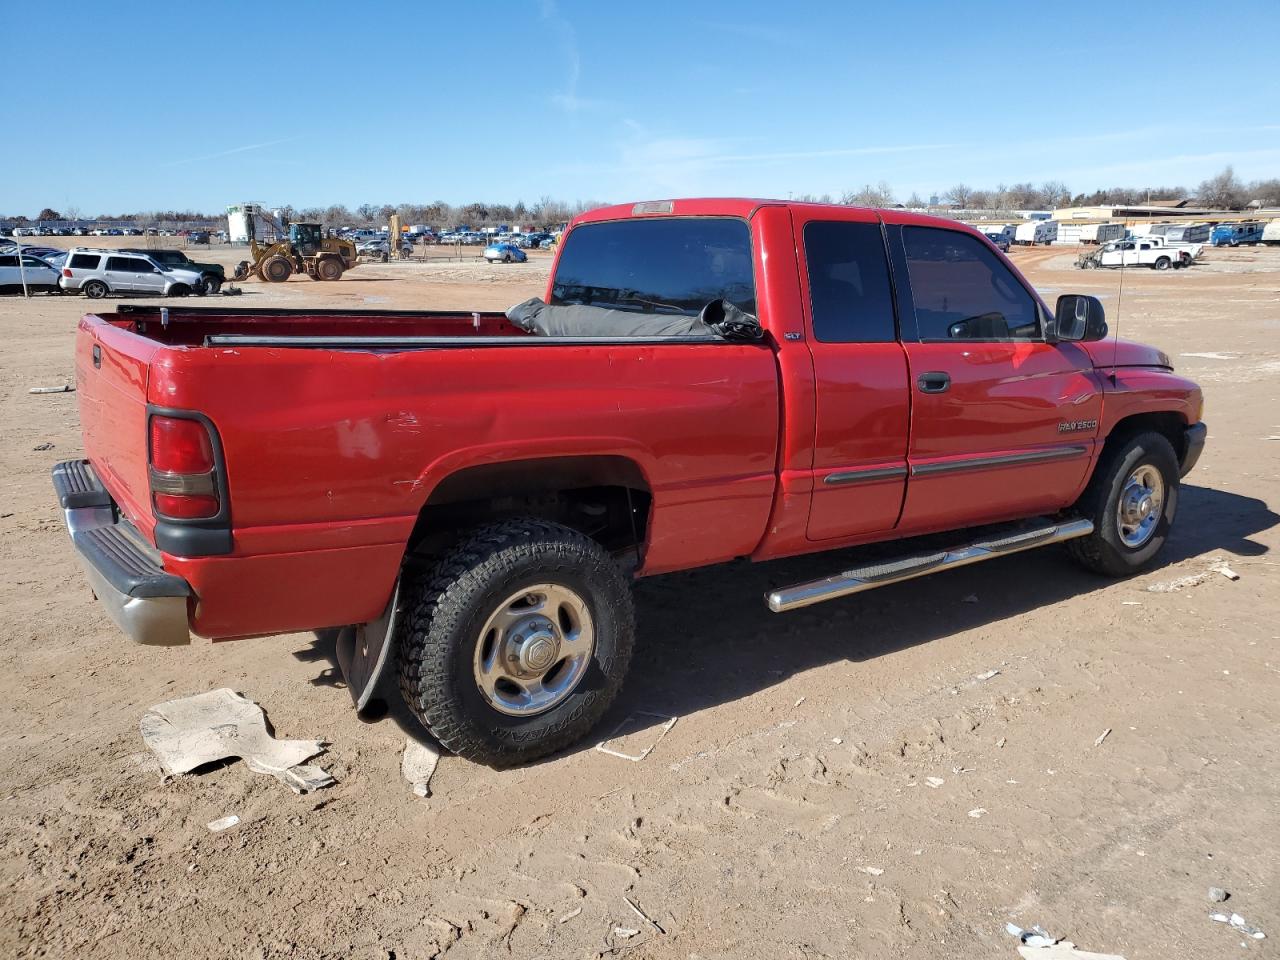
x,y
469,498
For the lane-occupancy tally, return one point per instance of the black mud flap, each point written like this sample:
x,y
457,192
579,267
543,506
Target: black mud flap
x,y
363,652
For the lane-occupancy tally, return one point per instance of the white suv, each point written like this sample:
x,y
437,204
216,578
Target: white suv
x,y
99,272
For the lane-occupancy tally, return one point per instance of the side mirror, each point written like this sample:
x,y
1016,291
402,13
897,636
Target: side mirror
x,y
1079,317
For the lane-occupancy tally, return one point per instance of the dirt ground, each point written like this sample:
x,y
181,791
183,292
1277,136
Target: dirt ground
x,y
846,781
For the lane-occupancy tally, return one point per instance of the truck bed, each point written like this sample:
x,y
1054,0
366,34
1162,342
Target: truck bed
x,y
338,426
355,329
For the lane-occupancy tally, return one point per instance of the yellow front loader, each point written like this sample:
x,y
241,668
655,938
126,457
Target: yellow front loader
x,y
306,250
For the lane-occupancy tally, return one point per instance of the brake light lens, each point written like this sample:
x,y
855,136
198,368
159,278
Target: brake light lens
x,y
183,485
180,446
66,272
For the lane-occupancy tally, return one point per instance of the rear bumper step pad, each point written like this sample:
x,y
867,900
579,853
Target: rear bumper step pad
x,y
126,574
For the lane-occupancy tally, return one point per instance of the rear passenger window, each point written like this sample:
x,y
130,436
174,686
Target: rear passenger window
x,y
129,265
7,261
962,291
84,261
849,291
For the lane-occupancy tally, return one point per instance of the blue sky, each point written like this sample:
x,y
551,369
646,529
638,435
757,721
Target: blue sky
x,y
139,105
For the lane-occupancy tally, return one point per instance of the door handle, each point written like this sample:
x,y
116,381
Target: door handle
x,y
97,355
934,382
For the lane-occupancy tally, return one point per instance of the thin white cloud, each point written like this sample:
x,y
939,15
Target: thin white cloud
x,y
755,32
226,153
568,99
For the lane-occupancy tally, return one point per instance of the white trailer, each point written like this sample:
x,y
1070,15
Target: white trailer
x,y
1036,231
1005,230
1148,229
1271,232
1103,232
1072,233
239,221
1189,233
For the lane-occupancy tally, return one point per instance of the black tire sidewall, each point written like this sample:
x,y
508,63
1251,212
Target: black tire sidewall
x,y
509,732
466,590
95,289
1144,449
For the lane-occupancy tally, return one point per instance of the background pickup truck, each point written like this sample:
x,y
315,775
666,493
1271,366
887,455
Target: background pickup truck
x,y
1153,252
469,501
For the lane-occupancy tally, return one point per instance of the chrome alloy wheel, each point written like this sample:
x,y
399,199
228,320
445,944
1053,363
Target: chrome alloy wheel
x,y
1141,504
534,650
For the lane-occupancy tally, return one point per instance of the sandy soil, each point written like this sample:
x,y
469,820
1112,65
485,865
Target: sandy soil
x,y
841,782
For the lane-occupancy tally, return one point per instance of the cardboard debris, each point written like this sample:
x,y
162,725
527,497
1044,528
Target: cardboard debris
x,y
637,729
1038,944
1237,922
1036,936
194,731
1063,950
417,765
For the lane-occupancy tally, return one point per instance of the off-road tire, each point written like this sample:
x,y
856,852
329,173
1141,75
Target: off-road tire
x,y
95,289
329,268
1103,551
276,269
446,608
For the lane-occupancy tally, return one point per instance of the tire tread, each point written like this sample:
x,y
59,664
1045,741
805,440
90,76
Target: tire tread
x,y
439,603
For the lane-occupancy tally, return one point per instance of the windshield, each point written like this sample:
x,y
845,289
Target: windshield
x,y
657,266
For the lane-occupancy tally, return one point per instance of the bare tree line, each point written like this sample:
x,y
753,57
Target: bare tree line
x,y
546,211
1224,191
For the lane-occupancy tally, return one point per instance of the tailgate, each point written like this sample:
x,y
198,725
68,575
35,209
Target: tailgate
x,y
111,384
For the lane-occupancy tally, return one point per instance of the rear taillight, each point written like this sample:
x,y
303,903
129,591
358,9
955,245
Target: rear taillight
x,y
183,479
66,272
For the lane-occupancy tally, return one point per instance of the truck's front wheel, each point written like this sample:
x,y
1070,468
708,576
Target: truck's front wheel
x,y
1131,499
518,640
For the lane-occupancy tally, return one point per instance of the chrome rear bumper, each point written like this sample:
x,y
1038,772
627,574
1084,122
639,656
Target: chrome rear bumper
x,y
124,572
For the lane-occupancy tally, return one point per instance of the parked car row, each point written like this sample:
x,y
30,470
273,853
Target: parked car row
x,y
97,272
380,248
42,230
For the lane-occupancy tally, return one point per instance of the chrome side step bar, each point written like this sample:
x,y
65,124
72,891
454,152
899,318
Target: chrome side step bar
x,y
879,574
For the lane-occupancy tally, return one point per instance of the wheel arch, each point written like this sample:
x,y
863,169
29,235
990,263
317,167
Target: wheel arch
x,y
607,497
1168,423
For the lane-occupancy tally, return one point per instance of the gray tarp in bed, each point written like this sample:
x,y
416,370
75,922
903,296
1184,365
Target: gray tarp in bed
x,y
719,319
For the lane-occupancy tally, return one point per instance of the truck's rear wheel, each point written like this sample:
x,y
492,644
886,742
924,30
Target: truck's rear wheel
x,y
277,269
329,268
1131,499
517,642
